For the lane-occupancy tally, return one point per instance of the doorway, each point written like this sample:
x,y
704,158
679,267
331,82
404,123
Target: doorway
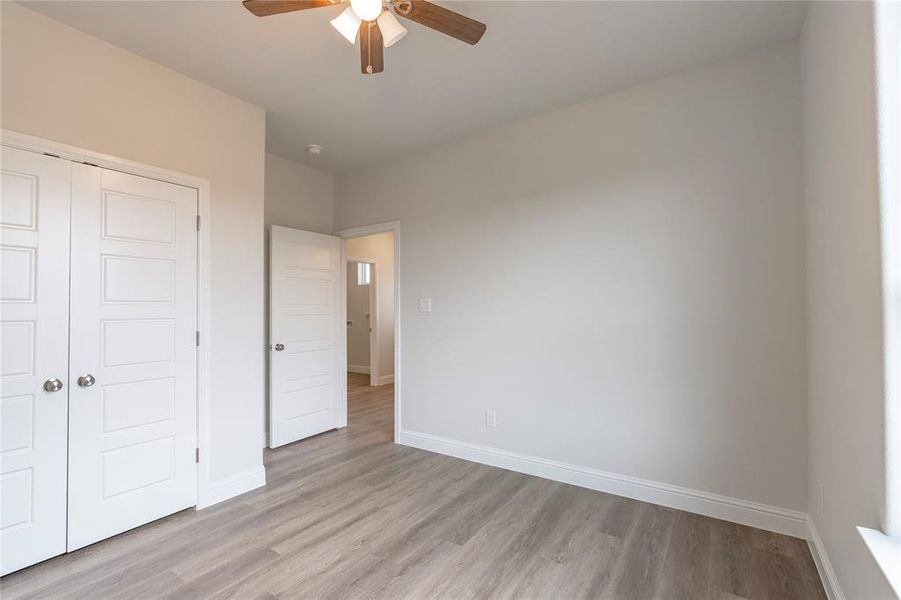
x,y
372,284
308,378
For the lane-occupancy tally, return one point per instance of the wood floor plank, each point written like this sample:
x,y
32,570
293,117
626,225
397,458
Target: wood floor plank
x,y
687,572
348,514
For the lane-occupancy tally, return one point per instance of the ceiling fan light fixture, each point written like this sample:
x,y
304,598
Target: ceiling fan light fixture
x,y
376,25
367,10
392,30
347,24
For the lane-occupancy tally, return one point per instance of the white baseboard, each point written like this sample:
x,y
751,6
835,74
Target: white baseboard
x,y
745,512
364,370
824,566
386,379
224,489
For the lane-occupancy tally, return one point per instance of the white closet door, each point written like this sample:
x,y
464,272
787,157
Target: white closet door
x,y
133,354
306,373
34,348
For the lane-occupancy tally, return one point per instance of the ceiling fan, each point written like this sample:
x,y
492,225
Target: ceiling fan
x,y
376,24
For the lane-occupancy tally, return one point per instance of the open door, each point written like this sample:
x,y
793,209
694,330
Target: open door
x,y
306,373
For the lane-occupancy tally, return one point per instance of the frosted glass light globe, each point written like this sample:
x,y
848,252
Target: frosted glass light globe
x,y
391,30
347,24
368,10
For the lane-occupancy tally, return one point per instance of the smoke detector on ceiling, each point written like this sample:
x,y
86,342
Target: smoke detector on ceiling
x,y
314,149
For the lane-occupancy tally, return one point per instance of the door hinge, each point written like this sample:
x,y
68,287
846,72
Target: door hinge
x,y
197,455
197,338
198,222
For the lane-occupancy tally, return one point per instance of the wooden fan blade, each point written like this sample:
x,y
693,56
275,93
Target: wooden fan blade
x,y
264,8
446,21
372,49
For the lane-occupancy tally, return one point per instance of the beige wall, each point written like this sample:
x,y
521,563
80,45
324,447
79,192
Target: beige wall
x,y
298,196
844,289
64,85
620,280
380,247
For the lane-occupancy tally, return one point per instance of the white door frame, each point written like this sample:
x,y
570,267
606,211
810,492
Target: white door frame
x,y
32,143
374,368
354,232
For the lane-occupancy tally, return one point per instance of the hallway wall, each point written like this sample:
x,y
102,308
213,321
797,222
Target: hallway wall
x,y
381,248
358,359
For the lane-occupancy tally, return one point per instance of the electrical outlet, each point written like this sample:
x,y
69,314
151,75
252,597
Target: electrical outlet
x,y
490,418
821,499
425,305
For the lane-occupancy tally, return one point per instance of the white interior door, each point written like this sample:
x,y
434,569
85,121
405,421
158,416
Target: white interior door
x,y
133,359
34,349
306,335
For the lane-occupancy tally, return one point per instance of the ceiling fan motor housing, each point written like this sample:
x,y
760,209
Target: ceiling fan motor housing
x,y
402,7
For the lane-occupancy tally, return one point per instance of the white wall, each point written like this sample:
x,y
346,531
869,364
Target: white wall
x,y
844,296
888,68
358,314
64,85
381,248
296,196
621,280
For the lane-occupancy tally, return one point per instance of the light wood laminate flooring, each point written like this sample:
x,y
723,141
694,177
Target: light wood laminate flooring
x,y
348,514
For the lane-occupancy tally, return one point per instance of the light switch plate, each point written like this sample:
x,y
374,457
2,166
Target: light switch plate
x,y
425,305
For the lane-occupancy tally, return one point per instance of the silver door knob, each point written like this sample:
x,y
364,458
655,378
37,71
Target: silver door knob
x,y
279,347
86,380
53,385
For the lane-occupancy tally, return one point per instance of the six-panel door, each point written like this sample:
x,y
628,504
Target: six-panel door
x,y
132,413
34,349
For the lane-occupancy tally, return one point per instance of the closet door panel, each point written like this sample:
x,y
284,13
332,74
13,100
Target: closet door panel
x,y
133,414
34,340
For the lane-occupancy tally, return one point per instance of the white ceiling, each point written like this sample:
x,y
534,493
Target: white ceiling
x,y
536,56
